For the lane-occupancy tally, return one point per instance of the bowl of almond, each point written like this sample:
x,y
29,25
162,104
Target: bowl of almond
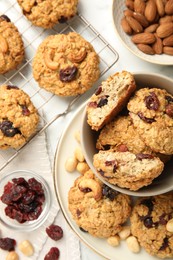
x,y
146,28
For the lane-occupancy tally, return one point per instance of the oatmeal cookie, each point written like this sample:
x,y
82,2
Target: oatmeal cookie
x,y
126,169
121,135
18,117
148,223
109,99
11,45
96,208
151,111
66,64
47,13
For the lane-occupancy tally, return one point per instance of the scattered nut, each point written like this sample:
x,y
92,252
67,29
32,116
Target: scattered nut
x,y
12,256
82,167
77,136
169,225
114,241
133,244
79,155
71,164
124,233
26,248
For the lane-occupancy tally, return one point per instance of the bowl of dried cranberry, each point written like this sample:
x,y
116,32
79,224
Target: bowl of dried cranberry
x,y
24,200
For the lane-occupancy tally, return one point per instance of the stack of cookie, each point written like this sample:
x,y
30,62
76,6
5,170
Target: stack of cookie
x,y
134,143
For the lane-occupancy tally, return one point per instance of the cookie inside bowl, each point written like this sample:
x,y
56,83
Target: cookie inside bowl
x,y
163,182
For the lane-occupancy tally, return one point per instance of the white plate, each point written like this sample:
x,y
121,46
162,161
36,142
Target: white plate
x,y
63,181
117,13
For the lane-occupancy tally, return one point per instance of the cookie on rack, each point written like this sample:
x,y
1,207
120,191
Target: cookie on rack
x,y
47,13
11,45
66,64
126,169
18,117
151,220
96,208
151,111
121,135
109,99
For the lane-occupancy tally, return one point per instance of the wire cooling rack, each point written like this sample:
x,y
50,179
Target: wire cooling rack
x,y
22,77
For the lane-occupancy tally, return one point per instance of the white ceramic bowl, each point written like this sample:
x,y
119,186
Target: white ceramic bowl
x,y
118,6
161,184
28,225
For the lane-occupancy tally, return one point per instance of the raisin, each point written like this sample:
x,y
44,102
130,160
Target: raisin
x,y
55,232
152,101
148,222
169,99
98,90
169,110
62,19
7,244
68,74
101,172
12,87
25,110
165,244
162,219
141,156
5,18
146,119
148,203
106,147
85,190
103,101
53,254
78,212
109,193
8,130
83,230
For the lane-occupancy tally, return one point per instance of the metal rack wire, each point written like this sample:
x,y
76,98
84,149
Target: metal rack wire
x,y
22,77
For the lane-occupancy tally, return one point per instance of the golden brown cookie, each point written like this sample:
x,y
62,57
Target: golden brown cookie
x,y
18,117
150,223
66,64
46,13
11,45
96,208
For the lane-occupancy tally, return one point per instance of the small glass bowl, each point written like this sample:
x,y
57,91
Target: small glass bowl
x,y
28,225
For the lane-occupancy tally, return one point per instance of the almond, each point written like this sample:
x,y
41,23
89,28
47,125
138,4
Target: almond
x,y
139,6
126,27
160,7
145,38
157,45
134,24
168,50
150,10
152,28
130,4
164,30
169,7
128,12
145,48
168,41
141,19
165,19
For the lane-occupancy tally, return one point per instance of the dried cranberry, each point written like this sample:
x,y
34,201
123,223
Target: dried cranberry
x,y
109,193
7,244
103,101
106,147
35,213
68,74
141,156
53,254
148,222
169,110
162,219
101,172
112,163
8,130
6,198
55,232
85,190
35,185
169,99
12,87
62,19
165,244
98,90
28,197
122,148
152,101
78,212
6,18
20,181
92,104
146,119
83,230
25,110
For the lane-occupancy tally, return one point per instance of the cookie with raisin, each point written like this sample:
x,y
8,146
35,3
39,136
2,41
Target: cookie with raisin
x,y
109,99
149,220
47,13
66,64
126,169
11,45
18,117
96,208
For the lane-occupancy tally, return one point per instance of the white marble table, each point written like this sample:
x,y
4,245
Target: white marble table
x,y
98,13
